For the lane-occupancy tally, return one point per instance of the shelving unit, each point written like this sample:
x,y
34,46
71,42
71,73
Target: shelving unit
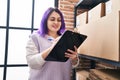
x,y
89,4
100,60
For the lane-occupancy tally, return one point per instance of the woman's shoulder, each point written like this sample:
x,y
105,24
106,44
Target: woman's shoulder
x,y
35,34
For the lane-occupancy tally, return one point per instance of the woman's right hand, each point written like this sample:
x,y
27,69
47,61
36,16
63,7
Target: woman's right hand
x,y
55,41
47,51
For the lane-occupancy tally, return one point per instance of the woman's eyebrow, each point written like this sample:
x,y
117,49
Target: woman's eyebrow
x,y
54,17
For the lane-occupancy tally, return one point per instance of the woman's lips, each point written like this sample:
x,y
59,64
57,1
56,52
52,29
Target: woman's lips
x,y
55,27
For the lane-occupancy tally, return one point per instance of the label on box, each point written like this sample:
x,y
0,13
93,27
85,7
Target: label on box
x,y
77,22
108,7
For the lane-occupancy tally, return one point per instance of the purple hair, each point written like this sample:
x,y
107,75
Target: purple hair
x,y
43,25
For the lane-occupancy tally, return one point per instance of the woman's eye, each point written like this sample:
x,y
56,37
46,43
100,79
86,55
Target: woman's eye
x,y
59,20
52,19
55,19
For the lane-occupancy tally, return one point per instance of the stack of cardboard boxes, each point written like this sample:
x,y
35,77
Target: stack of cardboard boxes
x,y
82,75
98,74
102,26
104,74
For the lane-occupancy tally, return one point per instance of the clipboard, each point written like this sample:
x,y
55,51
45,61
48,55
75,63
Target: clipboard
x,y
67,41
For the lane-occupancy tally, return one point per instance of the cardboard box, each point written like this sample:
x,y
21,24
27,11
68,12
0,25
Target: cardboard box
x,y
82,75
112,6
103,39
105,74
82,19
96,12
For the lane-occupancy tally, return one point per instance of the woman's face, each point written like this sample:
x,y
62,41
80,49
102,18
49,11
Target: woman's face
x,y
54,22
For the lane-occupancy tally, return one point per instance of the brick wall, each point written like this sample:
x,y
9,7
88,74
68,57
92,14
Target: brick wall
x,y
67,8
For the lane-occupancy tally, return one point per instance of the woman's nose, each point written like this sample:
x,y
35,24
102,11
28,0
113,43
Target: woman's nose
x,y
55,21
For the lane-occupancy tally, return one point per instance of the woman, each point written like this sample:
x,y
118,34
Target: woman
x,y
41,43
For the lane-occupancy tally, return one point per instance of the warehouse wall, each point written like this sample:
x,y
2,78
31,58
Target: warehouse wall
x,y
67,7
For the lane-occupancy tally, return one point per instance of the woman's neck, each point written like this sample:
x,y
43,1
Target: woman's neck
x,y
53,34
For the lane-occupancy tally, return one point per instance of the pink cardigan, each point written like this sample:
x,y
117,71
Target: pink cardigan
x,y
41,69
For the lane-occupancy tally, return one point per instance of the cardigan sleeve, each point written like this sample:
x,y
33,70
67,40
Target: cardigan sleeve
x,y
77,62
75,65
34,58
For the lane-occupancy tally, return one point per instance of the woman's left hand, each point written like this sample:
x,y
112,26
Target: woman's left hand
x,y
72,54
